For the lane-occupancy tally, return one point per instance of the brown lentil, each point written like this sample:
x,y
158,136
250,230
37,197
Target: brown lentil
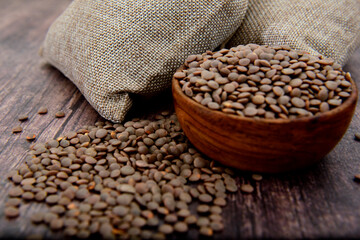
x,y
42,110
31,137
17,129
59,114
11,212
23,117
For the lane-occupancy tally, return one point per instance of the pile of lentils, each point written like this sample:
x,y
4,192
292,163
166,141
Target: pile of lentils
x,y
265,82
131,180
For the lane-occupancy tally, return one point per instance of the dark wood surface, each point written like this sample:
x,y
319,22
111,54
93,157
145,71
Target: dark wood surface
x,y
319,202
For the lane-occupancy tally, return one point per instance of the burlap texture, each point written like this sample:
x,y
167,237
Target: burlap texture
x,y
115,49
327,27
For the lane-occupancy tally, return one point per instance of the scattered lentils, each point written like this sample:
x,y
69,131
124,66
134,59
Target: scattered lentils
x,y
122,179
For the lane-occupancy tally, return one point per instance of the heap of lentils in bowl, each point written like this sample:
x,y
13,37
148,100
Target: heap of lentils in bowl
x,y
268,82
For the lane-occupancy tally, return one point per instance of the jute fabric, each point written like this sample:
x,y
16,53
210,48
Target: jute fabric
x,y
116,49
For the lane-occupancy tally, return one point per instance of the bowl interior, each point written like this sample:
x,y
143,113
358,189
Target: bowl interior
x,y
265,145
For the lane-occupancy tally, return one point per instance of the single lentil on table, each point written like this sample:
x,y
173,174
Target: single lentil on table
x,y
42,110
17,129
59,114
23,117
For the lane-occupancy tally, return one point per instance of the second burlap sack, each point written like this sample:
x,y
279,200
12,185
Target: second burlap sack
x,y
116,49
327,27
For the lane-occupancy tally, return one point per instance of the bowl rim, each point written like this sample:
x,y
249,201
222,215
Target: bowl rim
x,y
346,104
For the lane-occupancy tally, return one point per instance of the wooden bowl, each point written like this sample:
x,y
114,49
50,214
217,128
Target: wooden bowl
x,y
262,145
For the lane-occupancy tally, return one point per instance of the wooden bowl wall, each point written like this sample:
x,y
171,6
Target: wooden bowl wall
x,y
262,145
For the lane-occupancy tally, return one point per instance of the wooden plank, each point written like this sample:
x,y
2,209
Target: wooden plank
x,y
319,202
26,84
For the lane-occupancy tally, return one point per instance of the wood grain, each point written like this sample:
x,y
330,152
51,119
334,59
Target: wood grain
x,y
319,202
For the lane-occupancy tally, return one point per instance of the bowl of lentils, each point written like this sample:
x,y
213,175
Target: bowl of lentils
x,y
263,108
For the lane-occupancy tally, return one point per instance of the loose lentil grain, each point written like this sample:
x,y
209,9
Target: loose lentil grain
x,y
59,114
357,136
23,117
247,188
31,137
357,177
257,177
42,110
17,129
11,212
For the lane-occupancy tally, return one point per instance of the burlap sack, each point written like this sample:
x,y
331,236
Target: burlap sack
x,y
115,49
327,27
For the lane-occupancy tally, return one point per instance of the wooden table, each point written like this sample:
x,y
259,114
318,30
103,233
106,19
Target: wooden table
x,y
320,202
